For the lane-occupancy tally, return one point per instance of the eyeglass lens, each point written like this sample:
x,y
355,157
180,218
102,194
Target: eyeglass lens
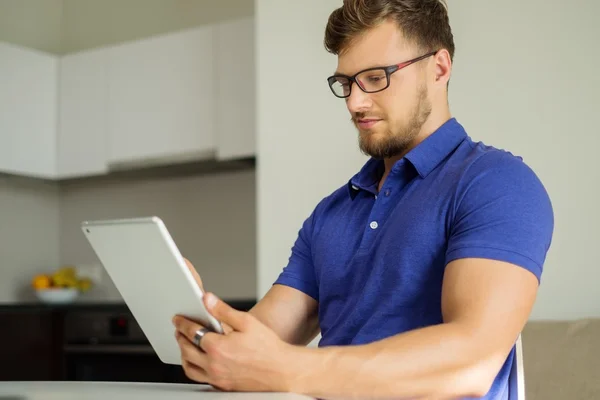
x,y
370,81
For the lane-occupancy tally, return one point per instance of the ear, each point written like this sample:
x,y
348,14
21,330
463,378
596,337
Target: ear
x,y
443,67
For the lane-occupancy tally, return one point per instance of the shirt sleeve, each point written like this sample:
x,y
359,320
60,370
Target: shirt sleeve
x,y
300,272
502,212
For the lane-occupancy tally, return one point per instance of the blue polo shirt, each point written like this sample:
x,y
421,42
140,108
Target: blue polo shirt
x,y
375,261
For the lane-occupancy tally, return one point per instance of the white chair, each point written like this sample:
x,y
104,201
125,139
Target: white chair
x,y
520,369
516,383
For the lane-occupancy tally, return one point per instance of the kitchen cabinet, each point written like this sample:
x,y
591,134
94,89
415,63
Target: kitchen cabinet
x,y
83,102
178,97
236,88
28,111
161,105
29,341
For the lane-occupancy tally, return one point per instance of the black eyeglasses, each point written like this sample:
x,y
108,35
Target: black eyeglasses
x,y
370,80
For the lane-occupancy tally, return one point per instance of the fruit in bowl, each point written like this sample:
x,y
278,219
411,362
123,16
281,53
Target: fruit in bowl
x,y
57,295
62,286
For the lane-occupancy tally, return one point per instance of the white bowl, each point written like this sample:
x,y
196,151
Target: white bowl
x,y
57,295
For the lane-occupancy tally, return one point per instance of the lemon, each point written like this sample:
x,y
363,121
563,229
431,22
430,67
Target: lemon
x,y
84,284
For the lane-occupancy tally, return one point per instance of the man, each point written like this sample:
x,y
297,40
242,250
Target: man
x,y
422,271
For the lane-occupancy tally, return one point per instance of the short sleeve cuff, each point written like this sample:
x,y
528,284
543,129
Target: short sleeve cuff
x,y
307,288
496,254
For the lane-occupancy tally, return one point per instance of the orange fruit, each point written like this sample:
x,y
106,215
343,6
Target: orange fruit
x,y
41,282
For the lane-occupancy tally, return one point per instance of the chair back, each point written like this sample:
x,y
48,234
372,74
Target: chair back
x,y
516,380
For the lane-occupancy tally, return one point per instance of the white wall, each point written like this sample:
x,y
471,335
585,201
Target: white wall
x,y
537,98
32,23
306,144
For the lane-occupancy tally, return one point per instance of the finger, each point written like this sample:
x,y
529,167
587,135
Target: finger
x,y
195,373
186,327
226,328
238,320
194,273
190,353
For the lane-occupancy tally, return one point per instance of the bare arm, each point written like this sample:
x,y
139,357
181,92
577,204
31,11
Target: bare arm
x,y
485,305
291,314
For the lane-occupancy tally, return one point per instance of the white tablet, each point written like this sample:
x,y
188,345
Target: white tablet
x,y
151,275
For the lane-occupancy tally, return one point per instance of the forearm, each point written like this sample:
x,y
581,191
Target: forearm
x,y
442,361
295,322
301,336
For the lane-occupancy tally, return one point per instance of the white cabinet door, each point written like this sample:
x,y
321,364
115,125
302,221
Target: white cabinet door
x,y
161,99
28,112
82,133
236,88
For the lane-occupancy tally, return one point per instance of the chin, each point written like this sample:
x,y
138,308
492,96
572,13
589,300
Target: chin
x,y
373,133
373,138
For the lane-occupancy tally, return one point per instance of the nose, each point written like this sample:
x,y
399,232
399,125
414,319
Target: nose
x,y
358,100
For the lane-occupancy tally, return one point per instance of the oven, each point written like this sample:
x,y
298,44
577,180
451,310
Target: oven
x,y
108,345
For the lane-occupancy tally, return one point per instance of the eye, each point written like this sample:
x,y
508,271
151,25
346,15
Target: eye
x,y
375,78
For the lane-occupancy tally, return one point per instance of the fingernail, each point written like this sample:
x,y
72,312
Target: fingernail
x,y
211,300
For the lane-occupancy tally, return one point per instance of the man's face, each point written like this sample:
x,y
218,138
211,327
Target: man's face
x,y
388,121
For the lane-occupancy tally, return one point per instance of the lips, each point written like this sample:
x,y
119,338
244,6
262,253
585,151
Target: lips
x,y
367,123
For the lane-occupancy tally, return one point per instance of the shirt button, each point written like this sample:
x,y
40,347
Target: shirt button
x,y
374,225
387,192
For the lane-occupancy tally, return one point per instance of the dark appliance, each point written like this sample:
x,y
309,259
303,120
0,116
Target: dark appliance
x,y
108,345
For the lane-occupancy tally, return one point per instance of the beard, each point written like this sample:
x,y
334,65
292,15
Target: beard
x,y
396,141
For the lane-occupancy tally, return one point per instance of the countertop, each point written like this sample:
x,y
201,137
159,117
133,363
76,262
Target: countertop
x,y
128,391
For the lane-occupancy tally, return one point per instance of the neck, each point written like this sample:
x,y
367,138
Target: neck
x,y
432,124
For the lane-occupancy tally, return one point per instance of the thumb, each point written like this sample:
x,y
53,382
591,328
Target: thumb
x,y
224,313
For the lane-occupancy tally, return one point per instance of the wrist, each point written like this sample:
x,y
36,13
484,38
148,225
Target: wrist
x,y
304,368
289,368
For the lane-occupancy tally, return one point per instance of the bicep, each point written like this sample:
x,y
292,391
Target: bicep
x,y
491,299
488,303
290,313
290,307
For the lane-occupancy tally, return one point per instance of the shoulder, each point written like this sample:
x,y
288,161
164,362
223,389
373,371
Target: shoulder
x,y
496,185
325,206
501,210
331,201
500,173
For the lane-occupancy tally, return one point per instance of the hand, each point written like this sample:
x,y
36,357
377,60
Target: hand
x,y
198,280
249,358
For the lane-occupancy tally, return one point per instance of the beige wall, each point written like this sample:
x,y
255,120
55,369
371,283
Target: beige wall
x,y
92,23
66,26
32,23
211,217
29,229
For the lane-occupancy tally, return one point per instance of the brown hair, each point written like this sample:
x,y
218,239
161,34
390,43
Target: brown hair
x,y
423,22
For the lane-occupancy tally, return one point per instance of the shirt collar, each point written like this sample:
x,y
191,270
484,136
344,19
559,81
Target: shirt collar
x,y
436,147
425,157
367,178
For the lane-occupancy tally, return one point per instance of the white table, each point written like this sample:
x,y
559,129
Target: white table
x,y
126,391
